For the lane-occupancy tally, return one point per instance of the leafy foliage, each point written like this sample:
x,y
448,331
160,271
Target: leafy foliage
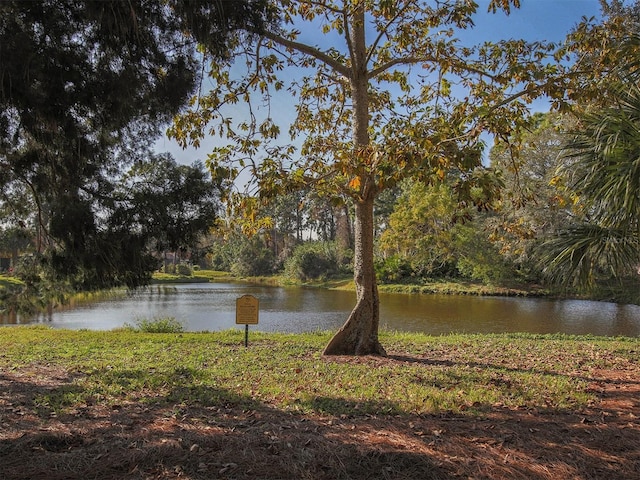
x,y
85,88
315,260
604,172
170,204
376,103
533,205
430,236
596,49
421,230
478,258
244,257
393,269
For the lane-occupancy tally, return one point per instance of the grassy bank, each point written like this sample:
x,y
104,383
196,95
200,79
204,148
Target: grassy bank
x,y
424,375
197,276
441,287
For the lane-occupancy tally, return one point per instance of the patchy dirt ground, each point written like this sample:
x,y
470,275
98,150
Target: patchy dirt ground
x,y
131,441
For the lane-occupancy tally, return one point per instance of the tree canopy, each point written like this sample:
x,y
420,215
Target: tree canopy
x,y
388,92
593,242
85,87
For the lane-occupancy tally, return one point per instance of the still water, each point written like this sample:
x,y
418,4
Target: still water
x,y
211,307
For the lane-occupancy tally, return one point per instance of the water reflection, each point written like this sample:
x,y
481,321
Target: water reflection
x,y
212,307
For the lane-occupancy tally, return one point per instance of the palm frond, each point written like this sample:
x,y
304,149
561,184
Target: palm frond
x,y
581,253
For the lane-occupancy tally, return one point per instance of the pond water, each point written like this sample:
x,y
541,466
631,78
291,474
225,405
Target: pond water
x,y
211,307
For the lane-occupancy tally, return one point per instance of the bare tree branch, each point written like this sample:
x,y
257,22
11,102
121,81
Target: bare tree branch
x,y
309,50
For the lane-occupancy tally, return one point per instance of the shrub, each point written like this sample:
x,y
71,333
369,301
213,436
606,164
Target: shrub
x,y
253,260
393,269
183,269
242,257
157,325
314,260
479,259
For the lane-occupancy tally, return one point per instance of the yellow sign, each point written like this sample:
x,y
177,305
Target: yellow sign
x,y
247,308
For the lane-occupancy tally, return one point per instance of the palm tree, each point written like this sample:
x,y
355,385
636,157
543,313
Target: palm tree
x,y
603,170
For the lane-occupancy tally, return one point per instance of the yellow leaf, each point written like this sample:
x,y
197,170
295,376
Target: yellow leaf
x,y
355,183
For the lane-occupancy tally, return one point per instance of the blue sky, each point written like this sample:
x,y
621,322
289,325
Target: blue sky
x,y
548,20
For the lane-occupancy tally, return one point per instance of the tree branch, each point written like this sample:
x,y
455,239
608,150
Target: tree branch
x,y
309,50
383,31
459,65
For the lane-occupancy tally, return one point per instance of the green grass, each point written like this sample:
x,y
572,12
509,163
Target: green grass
x,y
423,375
461,287
441,287
197,276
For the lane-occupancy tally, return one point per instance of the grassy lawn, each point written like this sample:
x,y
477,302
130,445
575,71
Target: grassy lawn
x,y
423,374
132,405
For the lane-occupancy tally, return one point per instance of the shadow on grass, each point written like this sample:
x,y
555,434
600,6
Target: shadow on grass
x,y
209,433
202,432
340,406
488,366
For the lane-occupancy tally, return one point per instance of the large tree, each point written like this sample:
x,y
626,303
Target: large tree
x,y
421,231
84,88
389,91
156,206
170,204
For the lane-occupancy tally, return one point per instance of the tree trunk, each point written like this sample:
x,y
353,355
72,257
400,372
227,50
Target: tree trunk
x,y
359,335
343,227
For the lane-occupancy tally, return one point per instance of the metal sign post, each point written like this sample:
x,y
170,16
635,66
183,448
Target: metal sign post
x,y
247,308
